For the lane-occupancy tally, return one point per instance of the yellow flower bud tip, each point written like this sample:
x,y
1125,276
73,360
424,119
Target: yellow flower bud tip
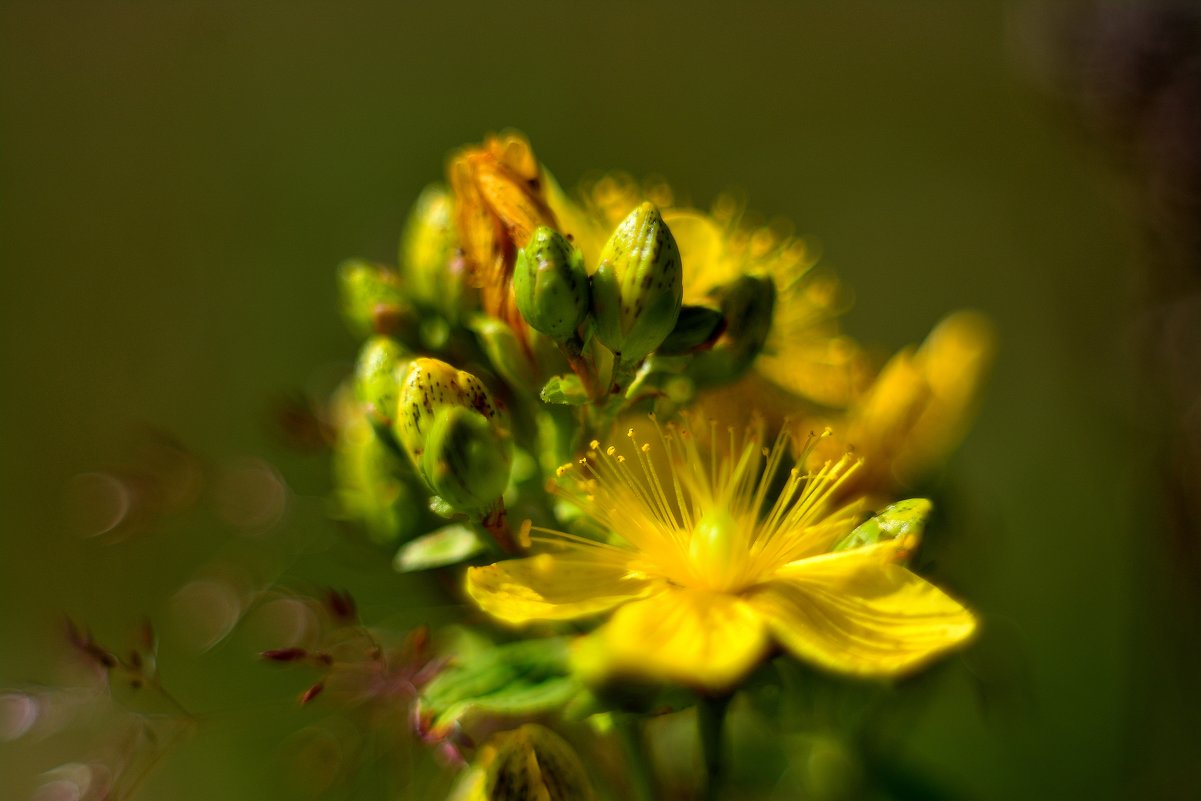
x,y
431,385
550,285
637,289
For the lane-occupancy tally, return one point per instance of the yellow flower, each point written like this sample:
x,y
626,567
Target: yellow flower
x,y
918,408
806,354
706,572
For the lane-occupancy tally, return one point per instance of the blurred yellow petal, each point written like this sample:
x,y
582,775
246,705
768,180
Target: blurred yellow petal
x,y
699,239
553,587
955,359
860,613
693,637
917,410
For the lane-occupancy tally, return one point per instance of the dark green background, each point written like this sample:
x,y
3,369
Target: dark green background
x,y
178,180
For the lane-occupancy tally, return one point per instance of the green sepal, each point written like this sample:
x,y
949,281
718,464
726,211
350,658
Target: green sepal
x,y
895,521
466,459
448,545
696,327
566,389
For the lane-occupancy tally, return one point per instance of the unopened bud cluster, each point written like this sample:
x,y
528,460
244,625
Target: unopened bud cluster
x,y
511,331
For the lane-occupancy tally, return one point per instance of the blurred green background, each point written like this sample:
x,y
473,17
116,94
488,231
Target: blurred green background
x,y
179,179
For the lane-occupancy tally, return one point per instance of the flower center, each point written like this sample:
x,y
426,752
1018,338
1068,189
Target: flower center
x,y
714,550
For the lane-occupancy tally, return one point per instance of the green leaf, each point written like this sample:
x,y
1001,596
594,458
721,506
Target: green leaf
x,y
447,546
564,389
526,677
442,508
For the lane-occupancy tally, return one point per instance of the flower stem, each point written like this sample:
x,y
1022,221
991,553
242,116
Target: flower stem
x,y
710,720
573,350
637,757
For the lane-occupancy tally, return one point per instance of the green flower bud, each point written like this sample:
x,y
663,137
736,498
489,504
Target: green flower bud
x,y
550,285
372,299
638,285
433,273
370,480
431,386
378,372
466,459
747,305
504,350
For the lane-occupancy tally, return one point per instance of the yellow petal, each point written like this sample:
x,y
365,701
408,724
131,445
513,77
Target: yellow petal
x,y
860,613
552,587
694,637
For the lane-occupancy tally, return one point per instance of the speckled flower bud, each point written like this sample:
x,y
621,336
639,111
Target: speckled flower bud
x,y
530,763
466,460
429,387
638,285
377,376
372,299
551,285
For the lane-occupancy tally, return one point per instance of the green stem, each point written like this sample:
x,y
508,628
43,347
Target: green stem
x,y
637,757
710,720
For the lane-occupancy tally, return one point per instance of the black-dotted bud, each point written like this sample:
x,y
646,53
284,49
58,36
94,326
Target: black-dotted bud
x,y
430,387
550,285
638,286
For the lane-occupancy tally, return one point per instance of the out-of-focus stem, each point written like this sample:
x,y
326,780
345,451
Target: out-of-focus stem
x,y
710,721
637,757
